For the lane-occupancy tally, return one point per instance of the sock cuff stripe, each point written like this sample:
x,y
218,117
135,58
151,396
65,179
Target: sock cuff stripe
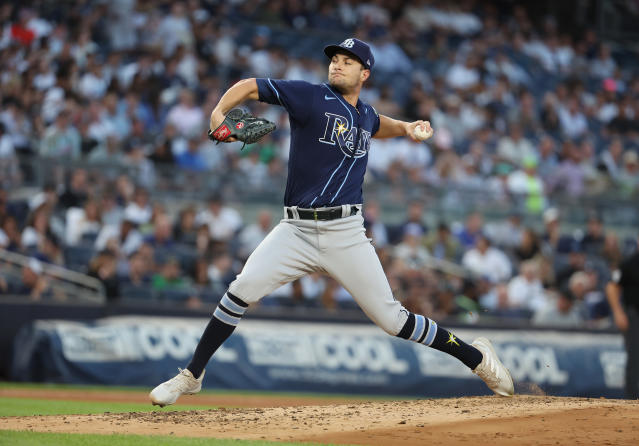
x,y
408,328
425,332
232,306
432,331
419,328
223,316
236,300
229,312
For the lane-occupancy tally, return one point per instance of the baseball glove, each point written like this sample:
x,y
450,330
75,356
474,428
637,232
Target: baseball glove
x,y
242,126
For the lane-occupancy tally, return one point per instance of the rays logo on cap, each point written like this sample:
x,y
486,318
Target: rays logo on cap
x,y
348,43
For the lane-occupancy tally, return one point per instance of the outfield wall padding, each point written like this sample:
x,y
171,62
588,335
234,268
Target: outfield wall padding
x,y
311,357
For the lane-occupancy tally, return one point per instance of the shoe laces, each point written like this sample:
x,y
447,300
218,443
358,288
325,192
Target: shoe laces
x,y
180,382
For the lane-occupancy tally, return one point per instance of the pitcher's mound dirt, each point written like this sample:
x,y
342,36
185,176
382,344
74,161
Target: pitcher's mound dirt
x,y
527,420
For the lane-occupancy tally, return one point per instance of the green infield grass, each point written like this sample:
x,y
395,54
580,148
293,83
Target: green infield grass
x,y
13,407
15,438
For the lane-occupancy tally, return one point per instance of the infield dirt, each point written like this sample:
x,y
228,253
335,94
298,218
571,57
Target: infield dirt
x,y
525,419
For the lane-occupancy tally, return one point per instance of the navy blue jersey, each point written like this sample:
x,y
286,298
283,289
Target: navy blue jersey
x,y
330,140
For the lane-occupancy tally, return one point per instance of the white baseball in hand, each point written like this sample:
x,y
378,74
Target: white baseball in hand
x,y
422,132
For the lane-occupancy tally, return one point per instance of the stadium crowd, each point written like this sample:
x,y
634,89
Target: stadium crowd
x,y
518,107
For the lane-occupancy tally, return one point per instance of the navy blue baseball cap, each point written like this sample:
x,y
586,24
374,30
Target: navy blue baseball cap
x,y
357,48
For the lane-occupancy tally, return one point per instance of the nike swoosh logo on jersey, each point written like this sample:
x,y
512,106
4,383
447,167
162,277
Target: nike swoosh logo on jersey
x,y
328,98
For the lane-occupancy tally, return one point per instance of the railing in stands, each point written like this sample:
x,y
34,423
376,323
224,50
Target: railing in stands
x,y
64,283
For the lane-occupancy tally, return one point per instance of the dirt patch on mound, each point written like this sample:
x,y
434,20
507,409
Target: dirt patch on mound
x,y
482,420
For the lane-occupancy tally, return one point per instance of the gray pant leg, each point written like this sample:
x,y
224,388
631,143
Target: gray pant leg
x,y
286,254
348,256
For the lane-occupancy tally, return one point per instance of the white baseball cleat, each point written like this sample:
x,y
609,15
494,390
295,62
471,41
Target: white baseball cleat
x,y
491,370
184,383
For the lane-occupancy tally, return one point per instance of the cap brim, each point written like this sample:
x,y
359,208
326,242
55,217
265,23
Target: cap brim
x,y
330,51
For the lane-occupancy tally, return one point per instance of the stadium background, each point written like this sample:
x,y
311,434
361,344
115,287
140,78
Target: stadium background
x,y
113,203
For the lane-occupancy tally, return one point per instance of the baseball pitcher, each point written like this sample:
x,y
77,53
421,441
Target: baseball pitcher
x,y
322,229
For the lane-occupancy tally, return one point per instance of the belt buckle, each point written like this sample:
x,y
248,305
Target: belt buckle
x,y
315,214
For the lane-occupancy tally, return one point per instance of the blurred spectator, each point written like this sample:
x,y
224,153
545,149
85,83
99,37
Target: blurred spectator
x,y
560,312
223,221
37,228
628,178
471,230
548,161
75,194
573,122
411,251
162,236
525,290
576,262
515,147
593,240
61,140
252,235
104,268
10,174
486,261
175,29
442,245
375,228
139,209
568,178
604,65
169,278
139,273
221,269
184,230
553,241
123,239
32,284
506,233
192,159
612,158
529,246
414,217
186,116
528,184
82,222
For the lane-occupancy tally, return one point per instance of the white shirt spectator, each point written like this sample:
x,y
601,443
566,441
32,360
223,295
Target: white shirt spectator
x,y
188,120
7,150
461,77
412,155
252,236
223,225
515,150
390,57
137,214
573,122
93,85
77,225
112,232
492,264
381,155
175,29
30,237
526,294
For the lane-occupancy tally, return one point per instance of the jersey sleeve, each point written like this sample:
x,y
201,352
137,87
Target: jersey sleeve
x,y
295,96
375,122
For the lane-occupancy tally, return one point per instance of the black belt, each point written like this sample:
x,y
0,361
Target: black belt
x,y
317,214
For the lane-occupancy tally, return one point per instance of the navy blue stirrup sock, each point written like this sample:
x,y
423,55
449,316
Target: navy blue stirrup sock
x,y
225,318
426,331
